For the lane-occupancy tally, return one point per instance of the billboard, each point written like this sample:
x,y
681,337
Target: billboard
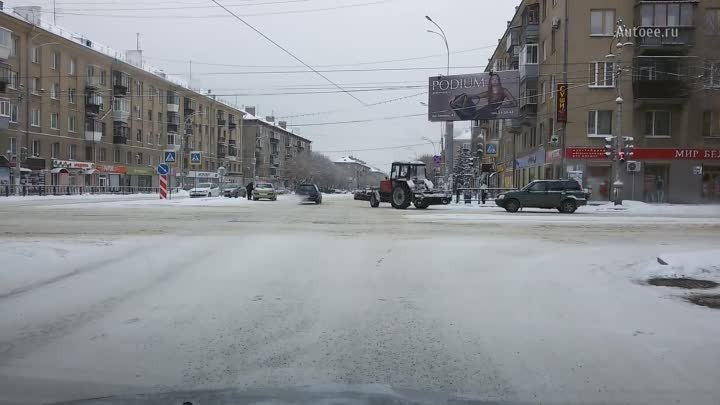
x,y
480,96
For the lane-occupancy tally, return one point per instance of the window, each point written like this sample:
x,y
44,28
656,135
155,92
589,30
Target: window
x,y
72,152
138,112
711,74
544,51
600,122
5,108
551,128
116,156
13,146
13,113
72,96
121,104
89,153
666,15
128,157
602,22
543,92
553,46
711,124
159,116
12,82
171,139
544,9
54,121
556,186
657,123
103,154
530,55
55,150
138,88
54,91
555,3
35,117
602,74
103,77
150,115
72,124
55,61
35,85
71,71
538,187
138,135
139,158
533,134
150,138
15,45
553,86
35,55
712,21
572,185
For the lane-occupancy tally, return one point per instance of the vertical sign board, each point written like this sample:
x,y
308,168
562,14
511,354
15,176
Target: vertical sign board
x,y
562,103
163,171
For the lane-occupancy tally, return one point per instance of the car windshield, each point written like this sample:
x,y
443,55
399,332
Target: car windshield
x,y
321,195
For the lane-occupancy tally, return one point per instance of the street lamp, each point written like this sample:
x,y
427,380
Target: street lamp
x,y
188,119
444,37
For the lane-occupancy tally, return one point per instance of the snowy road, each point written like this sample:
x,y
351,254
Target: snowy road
x,y
126,296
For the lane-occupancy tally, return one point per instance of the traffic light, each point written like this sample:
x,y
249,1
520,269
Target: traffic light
x,y
629,147
609,146
621,157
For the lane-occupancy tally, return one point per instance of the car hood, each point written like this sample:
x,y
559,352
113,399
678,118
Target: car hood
x,y
199,189
324,394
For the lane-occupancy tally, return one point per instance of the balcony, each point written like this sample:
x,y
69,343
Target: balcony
x,y
189,106
221,122
221,152
93,102
676,38
173,122
93,130
662,78
232,125
668,24
121,82
173,141
120,133
189,129
173,102
121,109
529,34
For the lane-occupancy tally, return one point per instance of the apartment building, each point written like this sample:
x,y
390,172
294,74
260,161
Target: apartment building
x,y
669,84
356,173
80,113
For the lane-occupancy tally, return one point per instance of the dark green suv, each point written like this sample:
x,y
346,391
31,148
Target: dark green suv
x,y
564,195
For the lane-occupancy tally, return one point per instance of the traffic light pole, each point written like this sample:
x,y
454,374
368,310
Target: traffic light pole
x,y
618,185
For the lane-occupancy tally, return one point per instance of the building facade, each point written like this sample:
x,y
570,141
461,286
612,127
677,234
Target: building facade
x,y
669,84
78,113
356,173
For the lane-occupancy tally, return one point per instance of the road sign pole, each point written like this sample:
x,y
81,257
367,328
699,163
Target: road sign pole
x,y
163,187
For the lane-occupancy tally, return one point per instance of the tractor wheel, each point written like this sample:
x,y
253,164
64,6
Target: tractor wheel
x,y
419,205
400,198
374,203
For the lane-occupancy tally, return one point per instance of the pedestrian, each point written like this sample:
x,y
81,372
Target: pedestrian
x,y
457,193
249,190
483,193
660,189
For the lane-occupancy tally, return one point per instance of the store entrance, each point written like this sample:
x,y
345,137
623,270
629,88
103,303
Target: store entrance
x,y
711,184
656,183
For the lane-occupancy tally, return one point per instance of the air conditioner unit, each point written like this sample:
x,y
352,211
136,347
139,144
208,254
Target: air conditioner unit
x,y
633,166
556,22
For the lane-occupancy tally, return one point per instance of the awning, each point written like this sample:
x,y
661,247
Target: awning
x,y
90,171
25,170
59,170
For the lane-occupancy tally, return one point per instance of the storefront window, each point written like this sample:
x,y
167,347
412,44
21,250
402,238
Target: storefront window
x,y
711,183
656,183
598,181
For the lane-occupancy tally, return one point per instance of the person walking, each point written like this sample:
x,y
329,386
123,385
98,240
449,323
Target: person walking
x,y
660,189
249,190
483,192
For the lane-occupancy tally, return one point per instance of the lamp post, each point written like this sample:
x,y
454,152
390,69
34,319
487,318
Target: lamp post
x,y
449,138
181,164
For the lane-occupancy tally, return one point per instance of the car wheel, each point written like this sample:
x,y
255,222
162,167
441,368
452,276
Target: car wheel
x,y
568,206
512,206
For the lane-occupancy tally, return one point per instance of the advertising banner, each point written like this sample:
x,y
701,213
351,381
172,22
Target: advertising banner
x,y
562,105
480,96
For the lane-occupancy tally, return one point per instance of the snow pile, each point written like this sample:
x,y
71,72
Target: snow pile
x,y
640,207
80,197
704,265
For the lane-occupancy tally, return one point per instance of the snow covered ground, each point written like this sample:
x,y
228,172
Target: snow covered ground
x,y
108,297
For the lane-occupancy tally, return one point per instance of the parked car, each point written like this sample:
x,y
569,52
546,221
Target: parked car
x,y
309,193
234,191
264,190
564,195
205,190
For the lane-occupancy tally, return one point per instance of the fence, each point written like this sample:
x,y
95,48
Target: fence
x,y
40,190
475,194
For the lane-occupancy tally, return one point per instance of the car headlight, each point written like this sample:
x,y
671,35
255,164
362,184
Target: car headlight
x,y
501,196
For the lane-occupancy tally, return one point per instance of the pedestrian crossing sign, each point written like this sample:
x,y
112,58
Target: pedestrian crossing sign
x,y
170,156
491,149
196,158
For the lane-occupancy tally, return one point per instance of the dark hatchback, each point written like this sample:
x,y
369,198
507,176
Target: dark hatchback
x,y
309,193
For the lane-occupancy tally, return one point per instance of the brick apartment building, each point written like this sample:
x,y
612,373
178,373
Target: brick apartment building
x,y
80,113
670,86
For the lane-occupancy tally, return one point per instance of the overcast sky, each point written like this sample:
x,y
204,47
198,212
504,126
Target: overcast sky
x,y
320,32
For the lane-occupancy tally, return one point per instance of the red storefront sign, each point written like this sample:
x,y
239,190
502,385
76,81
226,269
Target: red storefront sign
x,y
112,169
582,153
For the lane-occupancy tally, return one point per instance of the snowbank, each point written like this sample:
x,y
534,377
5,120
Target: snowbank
x,y
640,207
703,265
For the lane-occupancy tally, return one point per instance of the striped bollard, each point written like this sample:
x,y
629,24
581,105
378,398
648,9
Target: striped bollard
x,y
163,187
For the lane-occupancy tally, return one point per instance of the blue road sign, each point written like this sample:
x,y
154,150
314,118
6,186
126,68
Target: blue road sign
x,y
437,160
170,156
195,158
491,148
163,169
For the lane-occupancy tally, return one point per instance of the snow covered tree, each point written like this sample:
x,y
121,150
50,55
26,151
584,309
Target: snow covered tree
x,y
463,171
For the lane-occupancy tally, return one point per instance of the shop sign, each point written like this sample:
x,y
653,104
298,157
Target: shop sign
x,y
112,169
71,164
203,175
562,102
536,158
141,171
552,155
582,153
35,163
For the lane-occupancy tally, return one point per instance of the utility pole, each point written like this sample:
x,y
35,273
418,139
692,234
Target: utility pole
x,y
566,45
18,145
618,184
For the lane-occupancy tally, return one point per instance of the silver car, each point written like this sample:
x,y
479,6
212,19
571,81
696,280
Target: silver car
x,y
264,190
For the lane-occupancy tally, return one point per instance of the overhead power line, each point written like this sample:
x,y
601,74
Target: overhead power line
x,y
287,51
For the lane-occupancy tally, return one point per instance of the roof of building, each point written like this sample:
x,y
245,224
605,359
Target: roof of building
x,y
354,160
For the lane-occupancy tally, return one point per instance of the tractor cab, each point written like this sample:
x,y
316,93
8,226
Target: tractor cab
x,y
408,171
